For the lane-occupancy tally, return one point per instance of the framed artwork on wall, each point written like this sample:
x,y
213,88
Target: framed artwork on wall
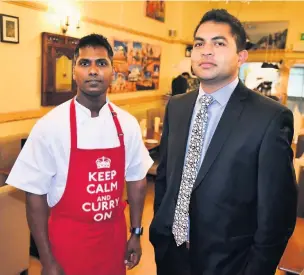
x,y
9,28
266,35
156,10
136,66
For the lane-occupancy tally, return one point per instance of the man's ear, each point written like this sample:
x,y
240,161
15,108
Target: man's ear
x,y
113,73
73,72
243,56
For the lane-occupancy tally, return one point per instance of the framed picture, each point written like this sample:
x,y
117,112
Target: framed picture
x,y
136,65
9,28
266,35
156,10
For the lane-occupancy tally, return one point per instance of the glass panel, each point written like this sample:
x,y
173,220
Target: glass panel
x,y
63,74
295,82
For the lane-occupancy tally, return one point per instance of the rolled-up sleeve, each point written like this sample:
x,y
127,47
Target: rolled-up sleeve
x,y
35,166
138,160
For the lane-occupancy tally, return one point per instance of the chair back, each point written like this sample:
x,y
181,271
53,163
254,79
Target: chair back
x,y
14,232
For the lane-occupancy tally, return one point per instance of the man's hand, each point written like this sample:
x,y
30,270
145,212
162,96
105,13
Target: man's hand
x,y
52,269
133,253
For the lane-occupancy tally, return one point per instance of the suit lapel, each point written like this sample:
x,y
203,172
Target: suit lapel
x,y
227,122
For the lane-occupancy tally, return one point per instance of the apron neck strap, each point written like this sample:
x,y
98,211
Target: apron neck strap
x,y
117,124
73,126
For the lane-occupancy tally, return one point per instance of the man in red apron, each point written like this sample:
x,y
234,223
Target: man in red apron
x,y
85,231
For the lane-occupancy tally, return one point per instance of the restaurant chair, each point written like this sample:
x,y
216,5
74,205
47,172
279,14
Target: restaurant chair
x,y
14,232
300,146
10,147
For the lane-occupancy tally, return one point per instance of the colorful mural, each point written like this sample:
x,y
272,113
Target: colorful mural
x,y
136,66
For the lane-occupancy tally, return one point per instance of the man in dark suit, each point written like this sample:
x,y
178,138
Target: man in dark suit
x,y
225,167
180,84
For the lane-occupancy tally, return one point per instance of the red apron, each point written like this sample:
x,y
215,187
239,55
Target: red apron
x,y
87,228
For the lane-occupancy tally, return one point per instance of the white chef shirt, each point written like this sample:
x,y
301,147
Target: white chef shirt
x,y
42,165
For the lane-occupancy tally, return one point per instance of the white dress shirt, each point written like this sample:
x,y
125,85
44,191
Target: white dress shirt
x,y
215,111
42,165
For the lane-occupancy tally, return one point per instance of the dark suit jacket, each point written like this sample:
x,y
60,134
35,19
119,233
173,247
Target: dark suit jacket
x,y
244,200
179,85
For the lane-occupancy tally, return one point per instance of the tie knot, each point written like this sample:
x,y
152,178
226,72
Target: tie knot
x,y
206,100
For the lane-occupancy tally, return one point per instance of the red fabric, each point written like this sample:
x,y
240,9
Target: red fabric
x,y
87,228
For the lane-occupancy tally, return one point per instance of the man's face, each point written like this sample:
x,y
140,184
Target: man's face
x,y
214,57
93,71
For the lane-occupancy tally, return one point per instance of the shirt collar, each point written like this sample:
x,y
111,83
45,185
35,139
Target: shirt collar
x,y
223,94
86,111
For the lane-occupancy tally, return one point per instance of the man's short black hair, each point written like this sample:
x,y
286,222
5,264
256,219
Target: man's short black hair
x,y
186,74
93,40
222,16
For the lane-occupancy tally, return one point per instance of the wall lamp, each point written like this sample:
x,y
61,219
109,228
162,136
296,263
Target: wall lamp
x,y
66,13
67,22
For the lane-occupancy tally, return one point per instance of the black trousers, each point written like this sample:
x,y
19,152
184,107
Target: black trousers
x,y
176,260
